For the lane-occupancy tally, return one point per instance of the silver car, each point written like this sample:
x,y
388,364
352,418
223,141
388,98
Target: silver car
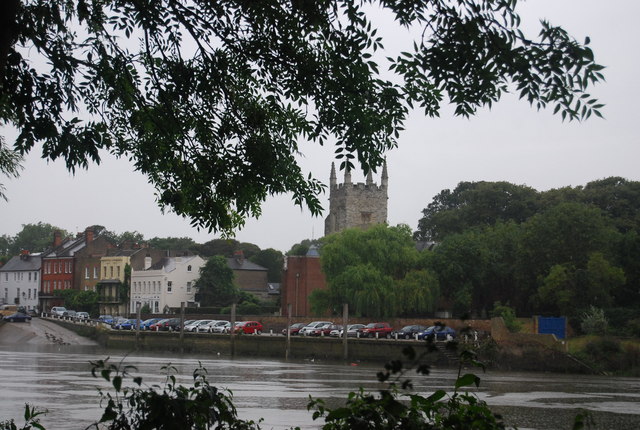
x,y
306,330
193,326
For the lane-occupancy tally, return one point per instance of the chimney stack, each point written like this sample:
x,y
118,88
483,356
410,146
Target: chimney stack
x,y
57,238
239,256
88,235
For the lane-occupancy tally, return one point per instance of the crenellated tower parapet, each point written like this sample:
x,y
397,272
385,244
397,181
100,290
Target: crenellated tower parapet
x,y
356,204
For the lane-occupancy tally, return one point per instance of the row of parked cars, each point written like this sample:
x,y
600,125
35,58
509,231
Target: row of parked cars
x,y
314,328
377,329
173,324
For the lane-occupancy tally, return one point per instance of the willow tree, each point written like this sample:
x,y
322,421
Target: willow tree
x,y
211,98
377,272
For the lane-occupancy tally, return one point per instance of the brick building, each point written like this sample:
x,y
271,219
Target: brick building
x,y
302,275
249,276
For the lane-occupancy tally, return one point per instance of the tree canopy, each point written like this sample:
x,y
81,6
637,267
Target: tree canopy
x,y
215,286
210,99
377,272
559,251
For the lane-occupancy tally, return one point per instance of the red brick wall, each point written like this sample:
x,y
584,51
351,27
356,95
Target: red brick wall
x,y
303,275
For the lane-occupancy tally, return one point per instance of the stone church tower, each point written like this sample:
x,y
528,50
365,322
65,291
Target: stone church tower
x,y
356,205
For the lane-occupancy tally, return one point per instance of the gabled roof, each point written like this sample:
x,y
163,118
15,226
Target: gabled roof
x,y
17,264
244,264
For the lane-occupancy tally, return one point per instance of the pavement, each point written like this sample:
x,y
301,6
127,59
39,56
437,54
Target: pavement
x,y
39,332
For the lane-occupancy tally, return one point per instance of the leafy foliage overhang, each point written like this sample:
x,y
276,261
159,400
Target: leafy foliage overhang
x,y
210,99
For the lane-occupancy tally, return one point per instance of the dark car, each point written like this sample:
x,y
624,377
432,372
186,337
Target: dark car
x,y
171,324
410,331
146,324
438,332
294,329
128,324
18,317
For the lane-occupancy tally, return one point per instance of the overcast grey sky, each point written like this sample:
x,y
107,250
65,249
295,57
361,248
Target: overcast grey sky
x,y
512,142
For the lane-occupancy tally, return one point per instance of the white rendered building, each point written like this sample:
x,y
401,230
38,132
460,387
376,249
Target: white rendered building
x,y
20,281
167,284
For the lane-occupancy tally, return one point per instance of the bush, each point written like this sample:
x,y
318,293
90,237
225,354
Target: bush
x,y
593,321
508,314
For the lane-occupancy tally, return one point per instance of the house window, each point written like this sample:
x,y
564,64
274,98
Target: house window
x,y
86,273
111,272
29,292
35,276
95,273
6,277
105,272
29,276
169,286
188,287
188,268
118,271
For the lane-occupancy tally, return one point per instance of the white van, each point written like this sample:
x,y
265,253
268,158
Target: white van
x,y
58,311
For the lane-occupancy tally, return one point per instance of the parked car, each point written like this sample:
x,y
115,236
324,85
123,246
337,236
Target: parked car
x,y
146,324
69,313
248,327
322,330
129,324
410,331
336,331
352,330
379,329
355,330
117,320
193,326
18,317
205,326
58,311
311,326
82,316
220,326
170,324
156,325
107,319
294,329
438,332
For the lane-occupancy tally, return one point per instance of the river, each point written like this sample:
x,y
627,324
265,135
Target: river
x,y
57,377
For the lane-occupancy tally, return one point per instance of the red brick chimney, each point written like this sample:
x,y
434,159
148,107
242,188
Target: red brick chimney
x,y
88,235
239,256
57,238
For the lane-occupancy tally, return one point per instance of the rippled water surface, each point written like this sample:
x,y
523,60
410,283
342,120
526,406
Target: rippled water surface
x,y
58,378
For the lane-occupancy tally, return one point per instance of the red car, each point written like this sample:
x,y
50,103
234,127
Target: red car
x,y
381,329
248,327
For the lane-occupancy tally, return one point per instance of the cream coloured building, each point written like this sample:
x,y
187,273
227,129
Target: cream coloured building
x,y
166,284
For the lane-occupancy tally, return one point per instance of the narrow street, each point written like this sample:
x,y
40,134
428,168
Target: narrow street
x,y
39,332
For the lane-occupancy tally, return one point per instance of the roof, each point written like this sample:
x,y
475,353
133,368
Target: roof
x,y
16,264
244,264
169,263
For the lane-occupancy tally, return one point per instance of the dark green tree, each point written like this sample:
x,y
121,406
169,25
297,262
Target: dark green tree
x,y
476,204
35,237
224,247
273,260
210,99
302,247
215,285
175,243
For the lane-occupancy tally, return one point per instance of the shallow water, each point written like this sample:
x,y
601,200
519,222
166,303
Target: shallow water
x,y
58,378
